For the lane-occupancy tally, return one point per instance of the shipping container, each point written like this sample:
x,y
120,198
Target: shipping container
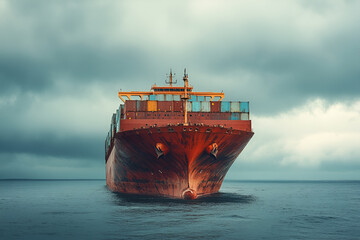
x,y
160,97
235,107
215,106
113,119
130,115
177,98
165,106
205,106
214,116
130,105
151,106
201,98
226,116
122,111
192,98
169,97
141,106
225,106
117,120
118,126
152,97
178,106
244,116
235,116
140,115
189,106
195,106
244,107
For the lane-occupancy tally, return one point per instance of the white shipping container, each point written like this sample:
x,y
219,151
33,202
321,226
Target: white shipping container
x,y
169,97
205,107
160,97
235,106
189,107
244,116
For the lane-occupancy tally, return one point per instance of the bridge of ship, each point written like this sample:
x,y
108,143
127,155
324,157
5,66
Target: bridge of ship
x,y
170,91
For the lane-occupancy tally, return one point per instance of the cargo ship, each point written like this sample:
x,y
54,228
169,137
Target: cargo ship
x,y
173,141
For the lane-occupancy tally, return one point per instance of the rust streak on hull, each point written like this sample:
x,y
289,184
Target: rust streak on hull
x,y
186,171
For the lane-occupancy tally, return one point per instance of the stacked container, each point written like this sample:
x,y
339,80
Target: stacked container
x,y
205,106
141,106
225,106
136,109
200,98
215,107
235,107
169,97
165,106
130,105
189,106
152,106
196,106
160,97
178,106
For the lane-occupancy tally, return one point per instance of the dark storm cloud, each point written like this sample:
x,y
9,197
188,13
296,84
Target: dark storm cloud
x,y
46,42
53,146
276,54
95,42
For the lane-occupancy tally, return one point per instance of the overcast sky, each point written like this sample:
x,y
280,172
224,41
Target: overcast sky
x,y
297,62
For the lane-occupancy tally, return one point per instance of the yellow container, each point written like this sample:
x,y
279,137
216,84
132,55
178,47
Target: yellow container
x,y
152,106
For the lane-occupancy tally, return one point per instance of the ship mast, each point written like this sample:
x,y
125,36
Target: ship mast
x,y
186,96
171,79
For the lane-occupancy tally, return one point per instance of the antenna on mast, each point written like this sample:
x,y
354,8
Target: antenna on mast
x,y
170,76
186,95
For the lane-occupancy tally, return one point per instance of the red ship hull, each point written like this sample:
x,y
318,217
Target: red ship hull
x,y
184,169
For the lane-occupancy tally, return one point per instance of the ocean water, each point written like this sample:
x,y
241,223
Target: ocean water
x,y
86,209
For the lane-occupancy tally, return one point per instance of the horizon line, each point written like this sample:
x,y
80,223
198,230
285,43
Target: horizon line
x,y
225,180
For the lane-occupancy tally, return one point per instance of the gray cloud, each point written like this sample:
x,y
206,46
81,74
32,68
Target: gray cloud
x,y
51,145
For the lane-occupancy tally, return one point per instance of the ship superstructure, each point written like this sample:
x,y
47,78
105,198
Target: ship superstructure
x,y
174,142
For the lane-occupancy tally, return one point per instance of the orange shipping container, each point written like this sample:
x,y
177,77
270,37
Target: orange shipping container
x,y
152,106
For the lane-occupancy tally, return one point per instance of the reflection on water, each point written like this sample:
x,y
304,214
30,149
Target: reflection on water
x,y
220,197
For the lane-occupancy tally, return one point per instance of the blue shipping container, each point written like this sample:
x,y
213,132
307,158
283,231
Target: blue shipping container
x,y
176,97
225,106
244,107
196,106
201,98
192,98
235,116
152,97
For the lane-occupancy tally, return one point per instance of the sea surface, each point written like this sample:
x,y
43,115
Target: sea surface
x,y
86,209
